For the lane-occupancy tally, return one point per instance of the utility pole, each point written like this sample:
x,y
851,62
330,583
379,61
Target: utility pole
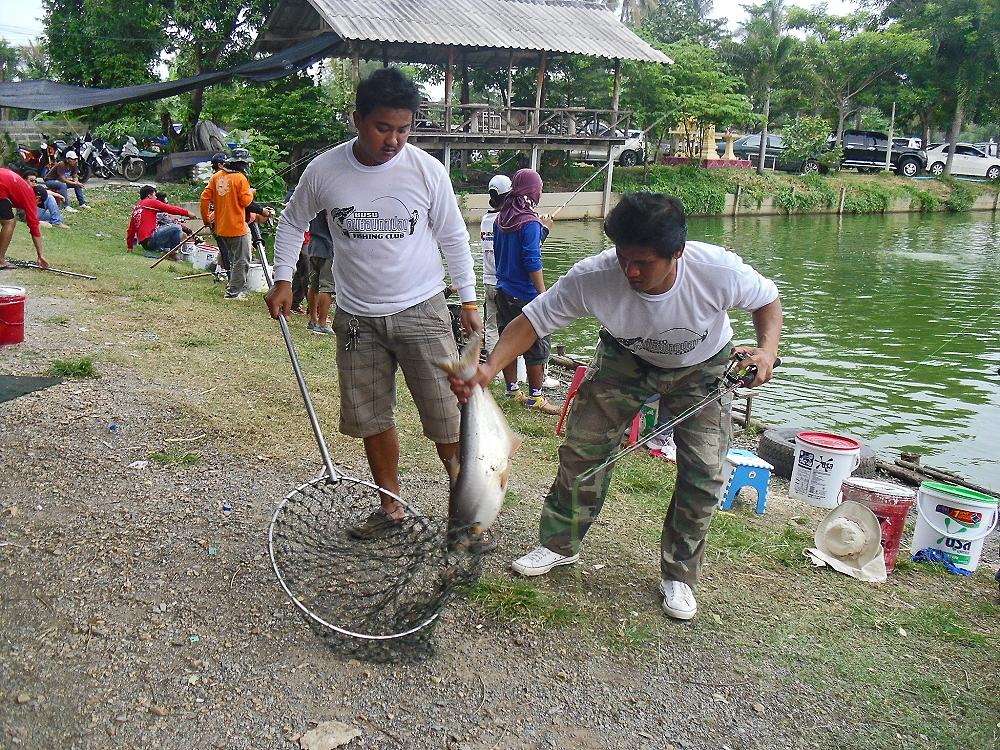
x,y
888,148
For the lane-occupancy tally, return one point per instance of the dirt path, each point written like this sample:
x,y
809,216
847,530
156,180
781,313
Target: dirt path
x,y
137,612
131,593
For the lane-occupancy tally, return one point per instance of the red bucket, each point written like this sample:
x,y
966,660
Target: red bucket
x,y
890,503
11,315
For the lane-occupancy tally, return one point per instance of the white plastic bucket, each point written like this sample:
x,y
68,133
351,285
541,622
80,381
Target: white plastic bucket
x,y
255,278
205,256
954,520
822,462
186,253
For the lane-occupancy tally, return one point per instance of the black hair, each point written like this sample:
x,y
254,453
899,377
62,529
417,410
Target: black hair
x,y
497,199
161,196
653,220
386,87
145,191
40,192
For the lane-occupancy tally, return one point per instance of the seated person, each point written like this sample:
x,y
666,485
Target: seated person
x,y
48,208
63,176
142,226
163,218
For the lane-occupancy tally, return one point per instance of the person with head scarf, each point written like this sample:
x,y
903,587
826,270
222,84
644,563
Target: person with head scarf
x,y
518,233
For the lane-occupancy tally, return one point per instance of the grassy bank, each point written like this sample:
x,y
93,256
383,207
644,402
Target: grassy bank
x,y
910,664
704,191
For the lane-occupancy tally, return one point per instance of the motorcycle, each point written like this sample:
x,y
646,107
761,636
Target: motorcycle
x,y
131,164
31,163
90,160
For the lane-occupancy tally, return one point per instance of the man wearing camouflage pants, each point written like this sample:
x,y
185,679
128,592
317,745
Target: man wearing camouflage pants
x,y
664,306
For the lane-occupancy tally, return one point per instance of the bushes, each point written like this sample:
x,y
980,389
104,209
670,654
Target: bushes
x,y
961,197
867,199
701,191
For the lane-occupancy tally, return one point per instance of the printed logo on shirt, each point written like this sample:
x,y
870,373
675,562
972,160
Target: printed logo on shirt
x,y
222,186
673,341
385,221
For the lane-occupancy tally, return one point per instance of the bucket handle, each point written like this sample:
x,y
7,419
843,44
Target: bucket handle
x,y
982,534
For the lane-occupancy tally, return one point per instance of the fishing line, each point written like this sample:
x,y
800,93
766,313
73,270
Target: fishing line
x,y
965,329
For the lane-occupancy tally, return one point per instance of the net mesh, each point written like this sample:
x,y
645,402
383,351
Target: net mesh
x,y
376,598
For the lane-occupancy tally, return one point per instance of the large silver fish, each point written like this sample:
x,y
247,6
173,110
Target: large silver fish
x,y
486,445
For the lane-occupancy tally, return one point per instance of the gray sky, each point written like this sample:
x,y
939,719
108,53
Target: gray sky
x,y
20,19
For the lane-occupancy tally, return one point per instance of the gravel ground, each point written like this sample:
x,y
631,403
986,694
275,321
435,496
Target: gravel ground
x,y
136,612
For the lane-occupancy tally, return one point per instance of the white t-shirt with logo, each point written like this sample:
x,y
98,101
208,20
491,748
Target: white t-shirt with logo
x,y
486,243
386,222
685,325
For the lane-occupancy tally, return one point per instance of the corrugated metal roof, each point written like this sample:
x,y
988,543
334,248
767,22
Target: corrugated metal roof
x,y
579,27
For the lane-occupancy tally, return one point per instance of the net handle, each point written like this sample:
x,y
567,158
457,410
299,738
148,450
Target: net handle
x,y
287,335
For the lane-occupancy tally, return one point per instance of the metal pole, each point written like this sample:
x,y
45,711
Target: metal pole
x,y
888,148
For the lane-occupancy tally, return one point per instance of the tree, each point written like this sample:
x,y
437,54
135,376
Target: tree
x,y
670,22
211,34
696,88
104,43
964,52
764,53
846,58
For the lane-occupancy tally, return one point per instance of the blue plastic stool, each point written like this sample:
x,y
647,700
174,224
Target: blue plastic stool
x,y
746,469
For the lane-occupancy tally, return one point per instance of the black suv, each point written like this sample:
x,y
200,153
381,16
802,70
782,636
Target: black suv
x,y
865,150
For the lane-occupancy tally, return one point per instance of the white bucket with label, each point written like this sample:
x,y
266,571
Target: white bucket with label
x,y
255,278
821,464
954,520
205,257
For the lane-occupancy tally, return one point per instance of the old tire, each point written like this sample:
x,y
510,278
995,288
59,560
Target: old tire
x,y
777,446
993,173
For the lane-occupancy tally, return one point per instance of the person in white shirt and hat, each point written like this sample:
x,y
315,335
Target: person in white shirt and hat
x,y
499,188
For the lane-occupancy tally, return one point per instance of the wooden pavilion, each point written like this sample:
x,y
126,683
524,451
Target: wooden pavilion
x,y
502,34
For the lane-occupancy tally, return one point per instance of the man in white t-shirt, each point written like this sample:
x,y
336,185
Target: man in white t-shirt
x,y
388,206
499,187
663,302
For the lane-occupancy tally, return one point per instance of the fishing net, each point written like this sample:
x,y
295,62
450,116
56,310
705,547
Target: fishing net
x,y
377,598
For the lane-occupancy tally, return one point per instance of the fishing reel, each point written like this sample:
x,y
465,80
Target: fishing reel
x,y
736,376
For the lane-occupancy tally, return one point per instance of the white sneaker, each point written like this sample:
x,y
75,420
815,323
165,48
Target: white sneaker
x,y
540,561
549,382
85,206
678,600
71,210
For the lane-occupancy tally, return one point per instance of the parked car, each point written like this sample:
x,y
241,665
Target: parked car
x,y
969,161
632,152
748,147
865,150
912,142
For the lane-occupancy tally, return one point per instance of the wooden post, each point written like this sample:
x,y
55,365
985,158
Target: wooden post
x,y
616,92
840,203
355,65
510,87
736,200
542,63
606,201
449,81
447,155
534,157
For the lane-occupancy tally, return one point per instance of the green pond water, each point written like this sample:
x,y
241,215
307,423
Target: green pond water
x,y
892,326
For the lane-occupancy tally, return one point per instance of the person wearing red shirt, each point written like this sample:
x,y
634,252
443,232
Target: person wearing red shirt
x,y
143,229
16,193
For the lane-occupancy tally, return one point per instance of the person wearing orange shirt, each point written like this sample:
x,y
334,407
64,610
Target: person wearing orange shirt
x,y
230,192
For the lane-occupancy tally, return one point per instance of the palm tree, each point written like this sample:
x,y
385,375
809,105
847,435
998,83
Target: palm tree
x,y
764,55
634,11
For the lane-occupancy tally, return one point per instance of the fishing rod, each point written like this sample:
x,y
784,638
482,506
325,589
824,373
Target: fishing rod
x,y
35,266
174,249
732,380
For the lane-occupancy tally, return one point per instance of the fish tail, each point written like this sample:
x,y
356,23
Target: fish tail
x,y
467,363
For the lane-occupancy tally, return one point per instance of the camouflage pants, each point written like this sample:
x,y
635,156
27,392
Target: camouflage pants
x,y
617,385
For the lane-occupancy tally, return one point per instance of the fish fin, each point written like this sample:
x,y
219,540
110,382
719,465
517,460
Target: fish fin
x,y
516,439
467,363
453,468
504,476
